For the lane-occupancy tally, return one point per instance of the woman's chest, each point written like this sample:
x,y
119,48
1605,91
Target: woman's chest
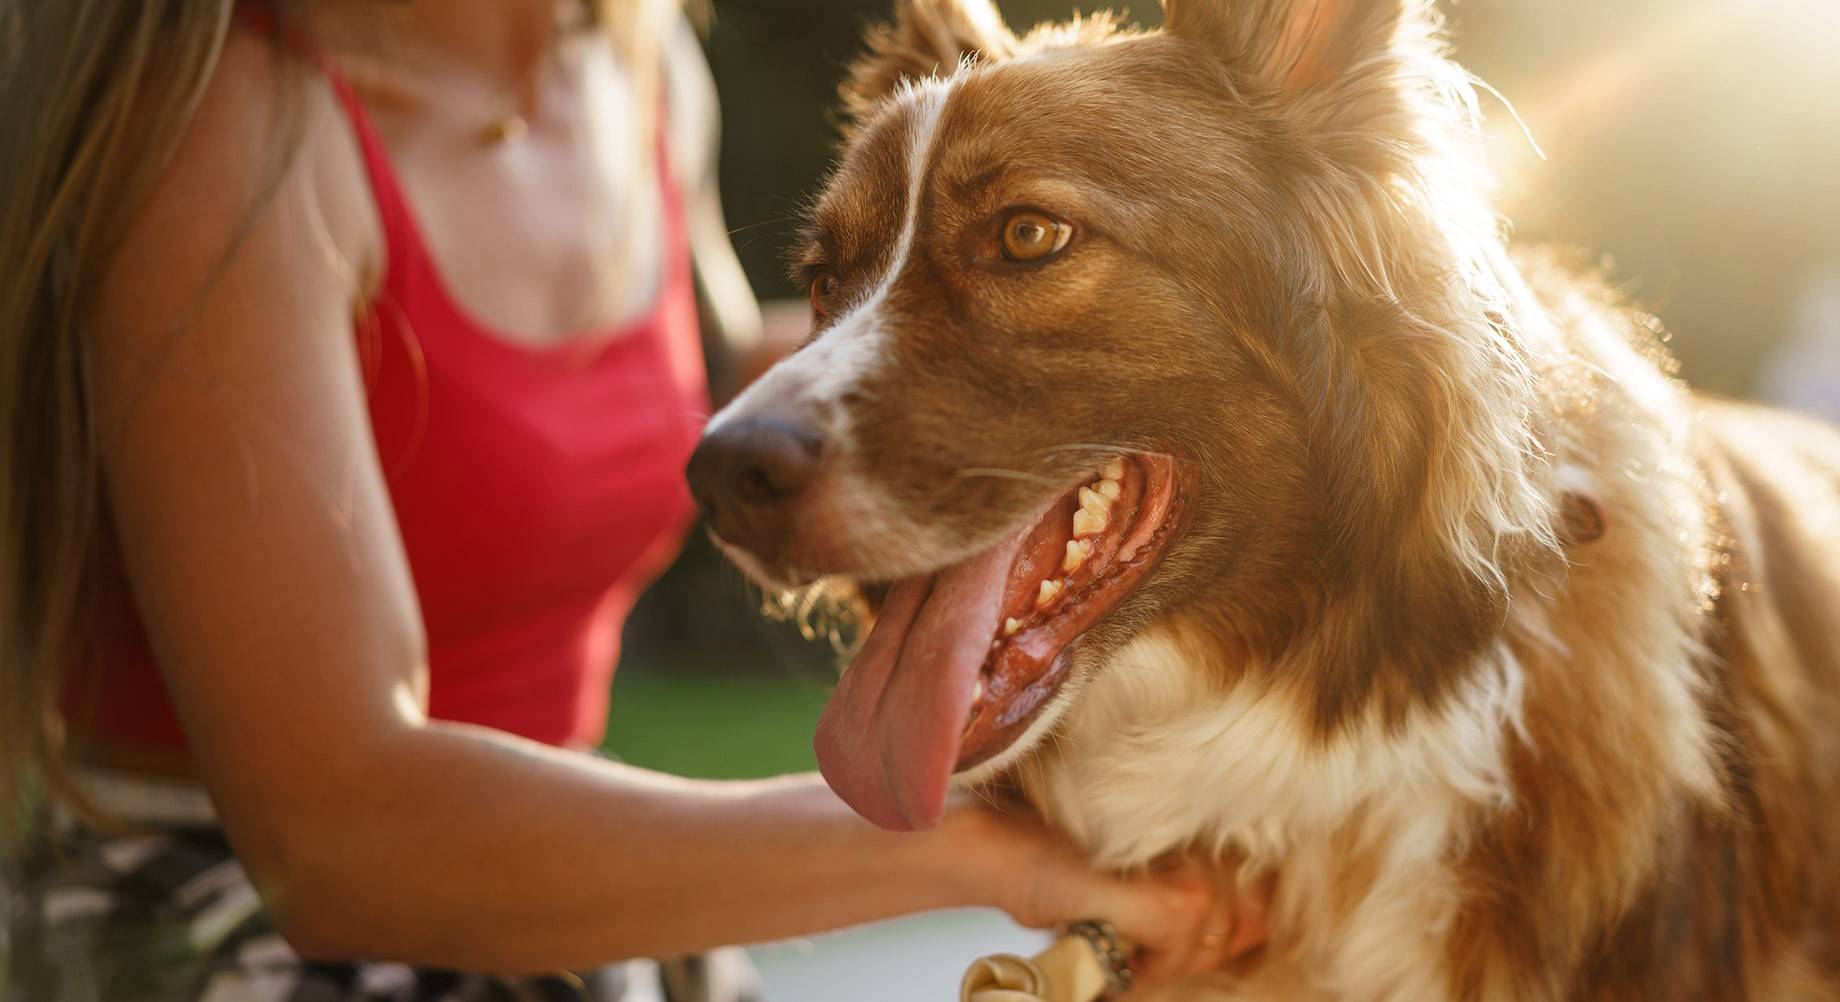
x,y
537,239
523,481
555,226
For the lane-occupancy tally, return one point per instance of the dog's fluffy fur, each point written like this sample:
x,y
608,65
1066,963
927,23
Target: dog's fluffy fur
x,y
1484,758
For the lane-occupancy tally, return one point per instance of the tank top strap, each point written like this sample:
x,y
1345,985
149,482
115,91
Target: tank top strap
x,y
401,239
402,244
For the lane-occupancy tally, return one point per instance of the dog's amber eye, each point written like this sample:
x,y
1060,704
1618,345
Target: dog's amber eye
x,y
1032,236
822,285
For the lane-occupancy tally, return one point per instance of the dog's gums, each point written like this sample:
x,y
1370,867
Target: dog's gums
x,y
1090,550
961,661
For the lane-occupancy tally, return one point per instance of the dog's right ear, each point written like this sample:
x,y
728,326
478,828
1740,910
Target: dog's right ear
x,y
927,38
1296,46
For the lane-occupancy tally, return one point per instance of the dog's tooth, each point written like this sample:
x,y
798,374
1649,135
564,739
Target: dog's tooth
x,y
1050,590
978,692
1011,625
1077,552
1087,522
1108,489
1113,470
1093,501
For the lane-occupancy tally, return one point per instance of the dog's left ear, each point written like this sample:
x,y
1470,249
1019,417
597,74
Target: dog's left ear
x,y
927,38
1293,46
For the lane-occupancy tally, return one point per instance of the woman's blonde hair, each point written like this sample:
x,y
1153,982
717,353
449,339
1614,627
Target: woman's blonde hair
x,y
94,97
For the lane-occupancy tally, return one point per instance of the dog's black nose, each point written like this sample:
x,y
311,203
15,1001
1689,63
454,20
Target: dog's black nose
x,y
744,472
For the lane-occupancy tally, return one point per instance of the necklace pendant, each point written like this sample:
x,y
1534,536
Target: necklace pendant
x,y
504,130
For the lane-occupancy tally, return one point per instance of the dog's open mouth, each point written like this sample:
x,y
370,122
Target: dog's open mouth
x,y
961,661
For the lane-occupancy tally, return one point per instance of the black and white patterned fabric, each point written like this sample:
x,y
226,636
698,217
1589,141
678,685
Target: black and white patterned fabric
x,y
167,915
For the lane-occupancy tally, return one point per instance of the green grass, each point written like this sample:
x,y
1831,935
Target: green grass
x,y
714,725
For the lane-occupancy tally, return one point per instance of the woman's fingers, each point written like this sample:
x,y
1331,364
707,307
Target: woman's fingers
x,y
1251,920
1235,926
1197,922
1183,918
1184,909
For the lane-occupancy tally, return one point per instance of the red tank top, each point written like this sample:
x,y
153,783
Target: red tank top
x,y
538,490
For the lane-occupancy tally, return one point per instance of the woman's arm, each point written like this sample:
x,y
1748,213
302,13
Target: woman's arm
x,y
264,558
730,314
521,856
747,336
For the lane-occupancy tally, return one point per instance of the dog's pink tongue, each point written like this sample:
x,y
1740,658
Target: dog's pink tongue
x,y
889,739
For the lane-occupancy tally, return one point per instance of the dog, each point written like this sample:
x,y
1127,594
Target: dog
x,y
1238,492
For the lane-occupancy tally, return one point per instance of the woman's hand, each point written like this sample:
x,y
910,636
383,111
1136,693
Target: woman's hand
x,y
1182,918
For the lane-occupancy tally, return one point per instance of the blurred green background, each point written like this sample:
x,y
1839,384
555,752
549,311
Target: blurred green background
x,y
1695,144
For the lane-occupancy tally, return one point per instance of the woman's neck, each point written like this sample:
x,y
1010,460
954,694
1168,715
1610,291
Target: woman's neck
x,y
506,40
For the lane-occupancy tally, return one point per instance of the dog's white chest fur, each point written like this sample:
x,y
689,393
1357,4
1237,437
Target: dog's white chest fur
x,y
1154,758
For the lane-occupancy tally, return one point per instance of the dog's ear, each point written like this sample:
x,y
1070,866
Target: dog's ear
x,y
1292,46
927,38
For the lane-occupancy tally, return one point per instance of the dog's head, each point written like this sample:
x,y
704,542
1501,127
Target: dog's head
x,y
1115,326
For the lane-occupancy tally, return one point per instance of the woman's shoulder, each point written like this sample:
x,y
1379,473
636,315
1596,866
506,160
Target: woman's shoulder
x,y
267,130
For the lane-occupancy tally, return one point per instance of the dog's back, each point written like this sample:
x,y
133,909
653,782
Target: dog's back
x,y
1776,479
1744,900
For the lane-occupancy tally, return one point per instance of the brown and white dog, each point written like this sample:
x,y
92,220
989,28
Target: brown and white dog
x,y
1241,494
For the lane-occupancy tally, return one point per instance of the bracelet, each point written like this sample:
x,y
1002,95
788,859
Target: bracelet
x,y
1109,949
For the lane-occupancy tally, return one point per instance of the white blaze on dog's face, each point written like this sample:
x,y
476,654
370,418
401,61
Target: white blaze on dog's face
x,y
1053,389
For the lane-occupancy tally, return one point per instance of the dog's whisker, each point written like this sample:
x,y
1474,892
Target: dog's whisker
x,y
1110,449
983,794
1004,474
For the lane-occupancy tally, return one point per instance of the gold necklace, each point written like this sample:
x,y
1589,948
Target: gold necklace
x,y
515,124
504,129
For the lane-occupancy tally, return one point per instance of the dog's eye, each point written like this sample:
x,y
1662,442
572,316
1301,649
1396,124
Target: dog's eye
x,y
822,285
1033,236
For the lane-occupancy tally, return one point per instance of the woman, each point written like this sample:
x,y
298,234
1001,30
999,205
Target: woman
x,y
348,370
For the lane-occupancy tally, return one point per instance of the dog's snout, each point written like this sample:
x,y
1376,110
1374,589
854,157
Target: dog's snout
x,y
744,473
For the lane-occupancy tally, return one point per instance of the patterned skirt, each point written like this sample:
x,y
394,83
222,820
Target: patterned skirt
x,y
167,915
